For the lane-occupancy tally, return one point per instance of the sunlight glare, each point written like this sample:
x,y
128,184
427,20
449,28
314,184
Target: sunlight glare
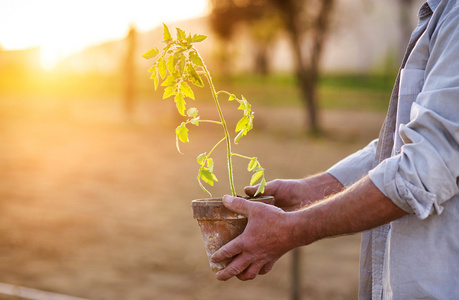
x,y
61,28
49,57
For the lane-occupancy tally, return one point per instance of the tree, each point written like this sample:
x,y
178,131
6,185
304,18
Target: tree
x,y
264,31
307,23
307,27
225,17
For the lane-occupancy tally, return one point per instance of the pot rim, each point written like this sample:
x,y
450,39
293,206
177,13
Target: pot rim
x,y
217,200
213,208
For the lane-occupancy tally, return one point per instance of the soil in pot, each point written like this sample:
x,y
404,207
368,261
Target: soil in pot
x,y
220,225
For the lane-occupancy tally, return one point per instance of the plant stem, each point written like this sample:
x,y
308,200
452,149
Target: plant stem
x,y
210,121
210,152
225,128
241,156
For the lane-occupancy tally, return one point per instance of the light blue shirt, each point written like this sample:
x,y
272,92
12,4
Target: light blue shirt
x,y
415,163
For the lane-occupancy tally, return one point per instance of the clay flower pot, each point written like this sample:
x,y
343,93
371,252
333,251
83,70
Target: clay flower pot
x,y
220,225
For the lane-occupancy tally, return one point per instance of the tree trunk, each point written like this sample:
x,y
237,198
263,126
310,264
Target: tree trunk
x,y
306,80
308,86
308,68
261,60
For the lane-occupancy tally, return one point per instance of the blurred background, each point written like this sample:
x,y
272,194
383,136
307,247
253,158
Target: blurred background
x,y
95,199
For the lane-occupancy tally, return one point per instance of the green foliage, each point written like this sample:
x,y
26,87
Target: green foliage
x,y
179,66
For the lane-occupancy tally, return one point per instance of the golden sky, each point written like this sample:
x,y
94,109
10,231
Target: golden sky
x,y
62,27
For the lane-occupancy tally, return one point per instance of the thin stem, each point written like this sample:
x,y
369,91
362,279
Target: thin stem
x,y
210,121
224,92
216,145
242,156
225,128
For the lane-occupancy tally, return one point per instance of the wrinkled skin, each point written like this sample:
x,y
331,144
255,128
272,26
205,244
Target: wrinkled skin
x,y
272,231
269,234
293,194
266,226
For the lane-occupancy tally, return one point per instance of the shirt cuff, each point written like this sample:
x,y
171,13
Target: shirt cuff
x,y
352,168
405,195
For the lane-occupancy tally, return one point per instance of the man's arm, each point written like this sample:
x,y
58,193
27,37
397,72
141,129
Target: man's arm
x,y
359,208
293,194
271,232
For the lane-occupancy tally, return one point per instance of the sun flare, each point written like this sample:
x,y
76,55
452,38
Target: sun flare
x,y
61,28
49,57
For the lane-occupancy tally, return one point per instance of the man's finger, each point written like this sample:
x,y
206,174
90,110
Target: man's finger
x,y
266,268
238,205
229,250
251,190
251,272
270,189
236,267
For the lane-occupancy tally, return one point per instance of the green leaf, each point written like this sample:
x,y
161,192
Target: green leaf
x,y
201,158
186,89
202,186
242,124
252,164
180,34
162,67
192,112
151,53
261,187
195,121
180,102
170,81
166,34
232,97
170,64
182,133
238,136
245,106
194,57
207,176
245,125
154,76
181,63
256,176
194,76
198,38
169,91
156,81
188,40
210,164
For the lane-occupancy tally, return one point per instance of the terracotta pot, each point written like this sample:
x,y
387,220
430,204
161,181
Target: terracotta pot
x,y
220,225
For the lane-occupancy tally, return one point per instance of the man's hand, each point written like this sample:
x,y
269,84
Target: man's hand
x,y
293,194
271,232
266,238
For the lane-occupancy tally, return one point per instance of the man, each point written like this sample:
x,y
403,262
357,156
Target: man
x,y
401,190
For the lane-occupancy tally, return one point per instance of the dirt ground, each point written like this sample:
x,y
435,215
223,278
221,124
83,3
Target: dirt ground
x,y
95,205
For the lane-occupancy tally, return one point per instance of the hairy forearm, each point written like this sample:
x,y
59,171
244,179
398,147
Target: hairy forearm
x,y
320,186
360,207
293,194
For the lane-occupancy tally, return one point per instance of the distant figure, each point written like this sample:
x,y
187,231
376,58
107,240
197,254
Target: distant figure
x,y
129,73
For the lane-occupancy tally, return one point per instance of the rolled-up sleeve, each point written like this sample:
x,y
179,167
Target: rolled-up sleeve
x,y
425,173
355,166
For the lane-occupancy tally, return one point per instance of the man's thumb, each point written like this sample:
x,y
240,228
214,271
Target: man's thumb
x,y
236,204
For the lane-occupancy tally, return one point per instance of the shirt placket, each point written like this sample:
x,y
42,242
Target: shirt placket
x,y
384,150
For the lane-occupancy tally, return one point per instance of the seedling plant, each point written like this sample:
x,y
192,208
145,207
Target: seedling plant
x,y
177,67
